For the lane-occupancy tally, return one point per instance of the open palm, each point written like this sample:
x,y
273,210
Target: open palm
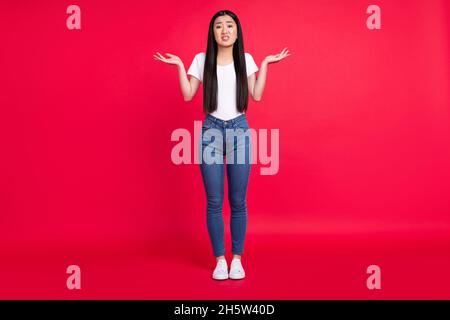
x,y
173,59
275,58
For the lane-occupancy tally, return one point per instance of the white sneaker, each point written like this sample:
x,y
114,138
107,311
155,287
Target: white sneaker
x,y
236,270
221,270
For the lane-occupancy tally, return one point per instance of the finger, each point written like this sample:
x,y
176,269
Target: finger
x,y
161,56
170,55
164,59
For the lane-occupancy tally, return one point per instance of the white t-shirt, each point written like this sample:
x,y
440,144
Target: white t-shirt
x,y
226,84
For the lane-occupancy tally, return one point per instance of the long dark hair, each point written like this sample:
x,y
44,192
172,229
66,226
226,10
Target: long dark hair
x,y
209,72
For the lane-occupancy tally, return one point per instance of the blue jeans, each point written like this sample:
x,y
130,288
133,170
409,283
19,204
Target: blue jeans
x,y
232,139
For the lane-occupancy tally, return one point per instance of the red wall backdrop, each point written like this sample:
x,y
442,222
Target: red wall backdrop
x,y
86,117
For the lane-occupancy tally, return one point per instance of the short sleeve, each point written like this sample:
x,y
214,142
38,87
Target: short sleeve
x,y
250,64
194,69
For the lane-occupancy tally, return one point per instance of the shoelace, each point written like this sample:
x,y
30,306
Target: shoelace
x,y
222,264
236,264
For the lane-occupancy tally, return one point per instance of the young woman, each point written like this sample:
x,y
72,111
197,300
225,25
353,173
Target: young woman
x,y
228,74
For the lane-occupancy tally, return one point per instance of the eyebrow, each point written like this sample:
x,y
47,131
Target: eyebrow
x,y
225,21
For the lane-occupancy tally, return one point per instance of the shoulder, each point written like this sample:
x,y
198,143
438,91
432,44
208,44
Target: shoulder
x,y
250,64
248,56
200,56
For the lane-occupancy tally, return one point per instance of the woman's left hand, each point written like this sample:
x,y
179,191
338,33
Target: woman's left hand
x,y
275,58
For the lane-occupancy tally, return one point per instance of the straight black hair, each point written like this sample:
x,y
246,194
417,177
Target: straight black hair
x,y
209,72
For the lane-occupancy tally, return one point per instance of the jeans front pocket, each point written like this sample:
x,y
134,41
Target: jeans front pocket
x,y
243,124
207,124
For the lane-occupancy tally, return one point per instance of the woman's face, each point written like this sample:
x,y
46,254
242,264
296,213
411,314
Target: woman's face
x,y
225,31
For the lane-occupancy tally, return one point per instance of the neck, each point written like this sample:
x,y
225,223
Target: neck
x,y
225,53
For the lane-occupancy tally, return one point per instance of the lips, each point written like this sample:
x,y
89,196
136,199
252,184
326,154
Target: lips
x,y
225,38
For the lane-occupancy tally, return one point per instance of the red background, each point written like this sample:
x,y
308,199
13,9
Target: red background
x,y
86,176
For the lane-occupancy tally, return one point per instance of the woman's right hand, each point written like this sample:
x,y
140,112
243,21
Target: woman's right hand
x,y
188,87
173,59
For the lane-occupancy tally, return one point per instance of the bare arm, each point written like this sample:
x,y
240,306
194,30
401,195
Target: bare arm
x,y
258,87
188,87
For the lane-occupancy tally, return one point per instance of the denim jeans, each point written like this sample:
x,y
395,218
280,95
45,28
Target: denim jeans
x,y
230,139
